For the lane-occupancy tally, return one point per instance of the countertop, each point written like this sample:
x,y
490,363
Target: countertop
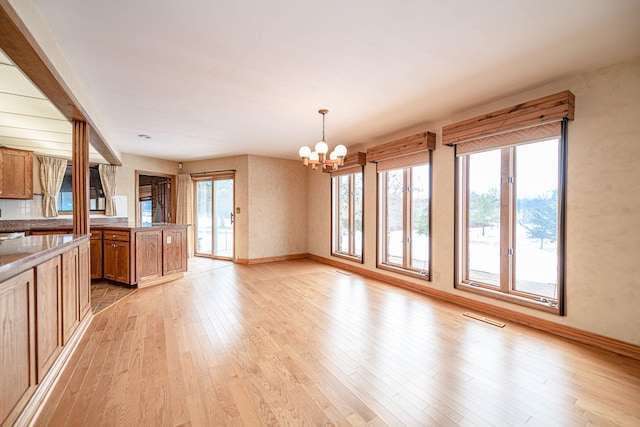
x,y
18,255
66,228
137,227
9,225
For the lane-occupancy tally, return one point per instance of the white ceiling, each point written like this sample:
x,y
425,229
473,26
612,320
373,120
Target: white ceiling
x,y
29,121
210,78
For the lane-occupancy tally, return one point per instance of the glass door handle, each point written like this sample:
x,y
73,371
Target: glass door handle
x,y
231,217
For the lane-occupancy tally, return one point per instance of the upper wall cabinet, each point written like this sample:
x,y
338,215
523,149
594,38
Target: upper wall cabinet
x,y
16,174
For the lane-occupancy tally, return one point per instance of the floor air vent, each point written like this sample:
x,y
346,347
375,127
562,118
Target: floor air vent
x,y
485,319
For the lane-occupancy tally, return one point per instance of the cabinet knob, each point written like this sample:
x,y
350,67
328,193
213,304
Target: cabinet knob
x,y
114,236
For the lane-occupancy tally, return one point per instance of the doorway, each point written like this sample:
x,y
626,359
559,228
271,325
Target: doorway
x,y
155,196
214,216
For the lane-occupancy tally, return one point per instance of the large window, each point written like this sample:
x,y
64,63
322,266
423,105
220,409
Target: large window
x,y
97,199
404,219
346,202
509,221
510,197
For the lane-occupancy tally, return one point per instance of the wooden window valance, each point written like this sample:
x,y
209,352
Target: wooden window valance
x,y
228,173
409,151
534,120
351,161
419,158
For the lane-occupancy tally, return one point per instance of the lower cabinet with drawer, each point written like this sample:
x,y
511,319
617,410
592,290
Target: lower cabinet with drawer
x,y
144,256
116,254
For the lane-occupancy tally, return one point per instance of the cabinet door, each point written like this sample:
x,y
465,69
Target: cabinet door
x,y
116,265
148,254
109,257
96,254
48,315
175,251
84,281
123,267
70,304
16,174
17,352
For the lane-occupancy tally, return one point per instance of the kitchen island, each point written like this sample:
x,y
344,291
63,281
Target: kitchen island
x,y
141,255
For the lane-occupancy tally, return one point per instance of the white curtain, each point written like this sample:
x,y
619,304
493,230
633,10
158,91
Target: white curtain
x,y
51,176
109,178
184,214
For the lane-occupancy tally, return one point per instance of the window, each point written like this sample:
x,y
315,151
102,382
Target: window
x,y
347,206
510,197
404,203
404,219
96,194
509,217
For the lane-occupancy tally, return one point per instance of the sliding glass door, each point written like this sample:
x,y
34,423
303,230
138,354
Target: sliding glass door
x,y
214,228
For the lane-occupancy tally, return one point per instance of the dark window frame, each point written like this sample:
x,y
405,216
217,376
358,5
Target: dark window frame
x,y
507,290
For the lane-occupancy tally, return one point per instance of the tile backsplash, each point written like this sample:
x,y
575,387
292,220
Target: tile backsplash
x,y
11,209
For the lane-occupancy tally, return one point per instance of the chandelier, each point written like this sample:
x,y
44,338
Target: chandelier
x,y
319,157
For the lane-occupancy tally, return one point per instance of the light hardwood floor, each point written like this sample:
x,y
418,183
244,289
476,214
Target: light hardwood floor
x,y
299,343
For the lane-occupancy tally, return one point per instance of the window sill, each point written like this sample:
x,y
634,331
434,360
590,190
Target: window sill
x,y
90,212
514,299
348,257
410,273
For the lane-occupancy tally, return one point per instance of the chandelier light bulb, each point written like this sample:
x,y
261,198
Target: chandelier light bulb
x,y
333,155
322,147
304,152
340,150
314,156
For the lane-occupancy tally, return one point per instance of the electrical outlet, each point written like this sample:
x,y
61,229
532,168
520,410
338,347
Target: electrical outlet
x,y
436,276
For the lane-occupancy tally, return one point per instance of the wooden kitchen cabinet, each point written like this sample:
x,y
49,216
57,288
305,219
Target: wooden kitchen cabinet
x,y
116,254
16,174
96,254
70,291
48,292
84,280
175,250
17,353
44,308
144,256
148,255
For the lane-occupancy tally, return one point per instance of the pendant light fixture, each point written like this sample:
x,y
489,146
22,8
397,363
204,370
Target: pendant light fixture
x,y
319,157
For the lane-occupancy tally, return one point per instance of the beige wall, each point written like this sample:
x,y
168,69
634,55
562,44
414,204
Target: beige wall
x,y
277,196
126,184
603,203
319,212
